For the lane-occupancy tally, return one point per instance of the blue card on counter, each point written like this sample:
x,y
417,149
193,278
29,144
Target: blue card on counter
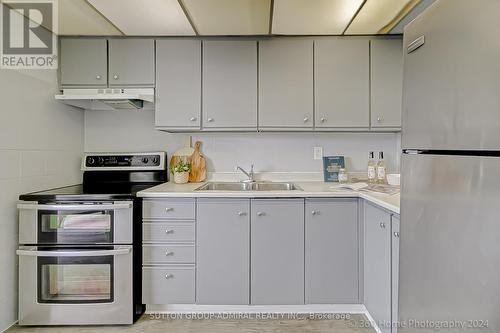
x,y
331,167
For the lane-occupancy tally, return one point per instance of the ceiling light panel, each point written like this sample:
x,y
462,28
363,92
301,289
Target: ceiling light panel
x,y
229,17
77,17
380,16
313,17
145,18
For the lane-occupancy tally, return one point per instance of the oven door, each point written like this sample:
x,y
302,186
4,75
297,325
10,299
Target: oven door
x,y
75,286
80,223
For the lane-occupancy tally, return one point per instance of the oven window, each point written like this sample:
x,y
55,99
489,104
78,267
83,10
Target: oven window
x,y
75,279
75,227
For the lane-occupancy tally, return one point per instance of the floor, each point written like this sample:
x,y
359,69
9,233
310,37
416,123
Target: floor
x,y
266,323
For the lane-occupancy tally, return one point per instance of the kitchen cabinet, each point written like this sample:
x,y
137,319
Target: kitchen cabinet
x,y
223,251
229,85
386,83
331,251
168,251
381,265
286,84
341,83
131,62
277,251
83,63
178,84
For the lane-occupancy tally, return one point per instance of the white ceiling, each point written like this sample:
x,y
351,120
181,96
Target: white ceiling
x,y
235,17
229,17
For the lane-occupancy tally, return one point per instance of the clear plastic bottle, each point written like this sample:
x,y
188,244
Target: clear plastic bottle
x,y
381,169
372,169
343,176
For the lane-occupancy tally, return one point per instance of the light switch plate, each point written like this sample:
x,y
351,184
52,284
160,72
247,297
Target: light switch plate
x,y
318,153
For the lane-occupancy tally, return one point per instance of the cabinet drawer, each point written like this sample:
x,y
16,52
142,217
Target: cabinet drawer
x,y
168,254
169,209
168,285
168,232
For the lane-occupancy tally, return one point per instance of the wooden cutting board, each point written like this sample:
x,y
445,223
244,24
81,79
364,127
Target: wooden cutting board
x,y
198,165
183,154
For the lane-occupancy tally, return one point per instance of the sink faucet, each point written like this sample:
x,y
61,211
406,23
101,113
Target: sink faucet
x,y
250,174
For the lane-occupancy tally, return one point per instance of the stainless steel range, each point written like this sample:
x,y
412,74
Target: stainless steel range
x,y
80,246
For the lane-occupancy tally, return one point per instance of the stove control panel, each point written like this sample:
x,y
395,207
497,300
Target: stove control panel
x,y
123,161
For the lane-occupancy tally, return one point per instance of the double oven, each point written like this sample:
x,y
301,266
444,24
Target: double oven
x,y
79,254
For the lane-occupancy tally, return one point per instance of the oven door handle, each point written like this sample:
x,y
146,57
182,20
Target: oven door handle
x,y
74,253
127,205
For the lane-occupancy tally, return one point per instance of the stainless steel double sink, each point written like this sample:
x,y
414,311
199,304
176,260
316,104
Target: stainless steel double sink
x,y
250,186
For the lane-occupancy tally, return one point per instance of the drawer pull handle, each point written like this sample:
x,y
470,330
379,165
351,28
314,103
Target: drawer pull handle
x,y
169,209
261,213
382,225
315,212
169,231
396,234
169,253
169,276
242,213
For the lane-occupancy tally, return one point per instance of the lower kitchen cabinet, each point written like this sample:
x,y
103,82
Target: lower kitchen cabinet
x,y
168,285
381,248
277,251
223,251
331,251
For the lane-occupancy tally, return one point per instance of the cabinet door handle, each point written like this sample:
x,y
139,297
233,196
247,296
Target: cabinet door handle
x,y
169,253
210,120
396,234
382,225
242,214
306,119
323,119
116,77
315,212
193,119
98,77
261,213
169,231
169,209
380,119
169,276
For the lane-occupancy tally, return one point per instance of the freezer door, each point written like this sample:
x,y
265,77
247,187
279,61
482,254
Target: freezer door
x,y
451,89
449,242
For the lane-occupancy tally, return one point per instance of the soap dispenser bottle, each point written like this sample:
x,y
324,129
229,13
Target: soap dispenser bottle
x,y
372,169
381,169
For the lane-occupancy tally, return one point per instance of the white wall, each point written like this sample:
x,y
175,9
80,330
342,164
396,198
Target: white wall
x,y
271,152
41,142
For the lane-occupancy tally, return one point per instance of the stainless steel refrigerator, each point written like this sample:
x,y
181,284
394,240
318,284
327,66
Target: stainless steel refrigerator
x,y
450,210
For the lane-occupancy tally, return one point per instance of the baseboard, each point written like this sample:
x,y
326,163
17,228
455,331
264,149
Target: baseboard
x,y
309,308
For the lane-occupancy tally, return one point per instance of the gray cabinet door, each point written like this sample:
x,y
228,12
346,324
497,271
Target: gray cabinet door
x,y
342,83
277,251
131,62
386,82
377,268
286,84
223,251
84,62
395,223
230,85
178,84
331,262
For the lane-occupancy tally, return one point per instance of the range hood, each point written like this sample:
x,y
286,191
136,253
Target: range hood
x,y
108,98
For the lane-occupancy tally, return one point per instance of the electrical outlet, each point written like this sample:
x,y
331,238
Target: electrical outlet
x,y
318,153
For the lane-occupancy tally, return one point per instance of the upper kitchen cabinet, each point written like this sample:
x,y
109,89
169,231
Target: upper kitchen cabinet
x,y
178,84
229,85
84,62
342,83
286,84
131,63
386,83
